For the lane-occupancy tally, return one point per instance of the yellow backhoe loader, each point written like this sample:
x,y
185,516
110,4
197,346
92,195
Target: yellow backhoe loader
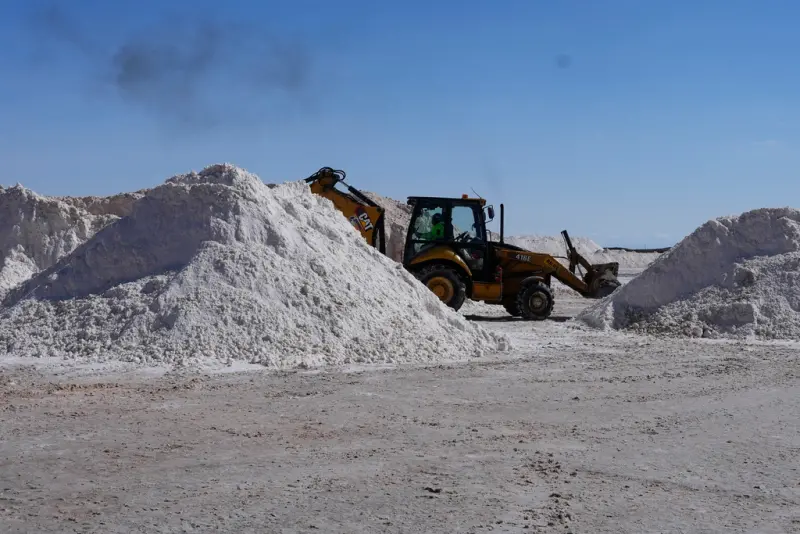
x,y
448,250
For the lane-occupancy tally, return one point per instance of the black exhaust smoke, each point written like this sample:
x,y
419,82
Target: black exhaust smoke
x,y
198,73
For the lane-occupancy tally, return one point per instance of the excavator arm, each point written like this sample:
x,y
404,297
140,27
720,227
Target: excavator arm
x,y
364,214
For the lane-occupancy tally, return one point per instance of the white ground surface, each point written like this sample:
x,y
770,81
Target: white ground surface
x,y
576,431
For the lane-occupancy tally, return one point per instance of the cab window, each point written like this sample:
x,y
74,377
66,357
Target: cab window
x,y
466,226
428,228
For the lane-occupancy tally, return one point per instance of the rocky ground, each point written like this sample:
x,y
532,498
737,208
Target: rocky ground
x,y
578,431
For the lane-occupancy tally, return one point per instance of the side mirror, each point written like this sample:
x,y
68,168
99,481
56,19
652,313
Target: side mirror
x,y
490,211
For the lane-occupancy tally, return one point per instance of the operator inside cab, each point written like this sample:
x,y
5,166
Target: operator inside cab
x,y
437,228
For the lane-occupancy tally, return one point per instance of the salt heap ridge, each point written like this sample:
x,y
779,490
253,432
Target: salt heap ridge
x,y
735,276
37,231
216,266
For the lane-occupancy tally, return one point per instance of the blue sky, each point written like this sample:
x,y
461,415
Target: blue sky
x,y
665,113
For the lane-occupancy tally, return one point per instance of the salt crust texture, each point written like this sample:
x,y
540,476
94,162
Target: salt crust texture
x,y
119,205
733,277
216,266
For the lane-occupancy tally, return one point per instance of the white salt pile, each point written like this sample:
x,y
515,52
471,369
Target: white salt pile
x,y
36,231
734,276
217,266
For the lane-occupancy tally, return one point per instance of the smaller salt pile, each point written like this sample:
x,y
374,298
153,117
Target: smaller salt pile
x,y
214,267
736,276
36,231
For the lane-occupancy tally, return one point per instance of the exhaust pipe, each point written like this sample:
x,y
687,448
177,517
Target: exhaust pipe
x,y
502,222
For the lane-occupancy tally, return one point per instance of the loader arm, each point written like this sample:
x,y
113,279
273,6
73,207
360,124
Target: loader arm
x,y
573,255
363,213
601,278
544,265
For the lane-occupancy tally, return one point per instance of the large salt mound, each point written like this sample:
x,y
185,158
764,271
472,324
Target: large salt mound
x,y
734,276
217,266
36,231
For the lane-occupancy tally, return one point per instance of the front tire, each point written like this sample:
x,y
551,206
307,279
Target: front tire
x,y
535,301
445,283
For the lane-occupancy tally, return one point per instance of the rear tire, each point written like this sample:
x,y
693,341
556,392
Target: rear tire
x,y
445,283
535,301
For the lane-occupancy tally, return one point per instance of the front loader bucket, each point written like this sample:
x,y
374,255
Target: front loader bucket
x,y
602,279
606,270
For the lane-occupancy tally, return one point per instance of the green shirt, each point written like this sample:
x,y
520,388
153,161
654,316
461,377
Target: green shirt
x,y
436,232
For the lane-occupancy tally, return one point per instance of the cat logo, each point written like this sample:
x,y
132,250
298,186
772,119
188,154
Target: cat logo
x,y
363,219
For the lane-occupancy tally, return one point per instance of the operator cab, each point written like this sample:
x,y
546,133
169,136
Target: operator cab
x,y
459,224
